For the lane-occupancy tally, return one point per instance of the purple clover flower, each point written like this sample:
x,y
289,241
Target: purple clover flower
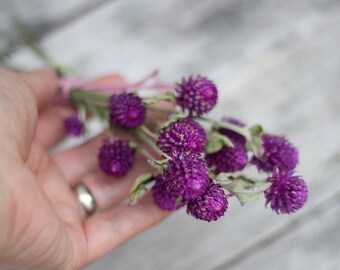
x,y
74,126
116,157
235,137
197,95
287,194
211,205
186,176
162,197
185,135
278,152
126,110
228,159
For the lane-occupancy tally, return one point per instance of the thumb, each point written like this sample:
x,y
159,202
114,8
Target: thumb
x,y
18,114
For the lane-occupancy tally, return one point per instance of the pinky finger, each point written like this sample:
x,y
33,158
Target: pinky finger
x,y
107,230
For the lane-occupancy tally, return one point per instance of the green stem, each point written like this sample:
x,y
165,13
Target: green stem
x,y
162,110
240,130
148,132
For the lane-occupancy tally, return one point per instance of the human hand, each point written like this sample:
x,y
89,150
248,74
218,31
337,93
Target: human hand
x,y
41,222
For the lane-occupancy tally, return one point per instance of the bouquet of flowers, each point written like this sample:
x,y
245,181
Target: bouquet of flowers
x,y
190,166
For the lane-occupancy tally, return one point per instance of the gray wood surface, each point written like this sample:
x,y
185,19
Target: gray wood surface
x,y
276,62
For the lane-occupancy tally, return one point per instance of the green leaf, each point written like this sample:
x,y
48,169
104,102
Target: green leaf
x,y
173,119
255,144
168,96
245,189
216,141
140,185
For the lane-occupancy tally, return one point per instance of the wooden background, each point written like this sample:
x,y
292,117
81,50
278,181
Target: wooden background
x,y
276,62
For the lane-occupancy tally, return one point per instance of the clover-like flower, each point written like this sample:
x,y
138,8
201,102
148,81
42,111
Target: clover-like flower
x,y
186,176
185,135
278,152
287,194
116,157
196,95
74,126
211,205
126,111
162,197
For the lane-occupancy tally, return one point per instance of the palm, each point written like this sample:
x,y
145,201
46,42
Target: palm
x,y
45,228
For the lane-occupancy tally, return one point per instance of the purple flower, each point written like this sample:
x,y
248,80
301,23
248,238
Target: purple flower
x,y
162,197
228,159
74,126
287,194
185,135
211,205
197,95
126,110
235,137
186,176
278,152
116,157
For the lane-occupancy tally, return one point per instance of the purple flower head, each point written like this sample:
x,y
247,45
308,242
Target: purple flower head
x,y
211,205
185,135
126,110
287,194
228,159
74,126
278,152
162,197
235,137
116,157
197,95
186,176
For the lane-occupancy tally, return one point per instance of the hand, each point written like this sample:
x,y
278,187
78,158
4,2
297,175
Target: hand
x,y
41,221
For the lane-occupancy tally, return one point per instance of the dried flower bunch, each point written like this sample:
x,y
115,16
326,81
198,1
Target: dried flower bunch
x,y
189,166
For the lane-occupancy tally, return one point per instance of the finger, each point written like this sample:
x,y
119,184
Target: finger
x,y
44,86
51,129
107,230
110,191
76,162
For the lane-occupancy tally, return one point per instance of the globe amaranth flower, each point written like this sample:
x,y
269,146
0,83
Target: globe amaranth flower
x,y
196,95
74,126
126,110
182,136
116,157
278,152
186,176
211,205
287,194
162,197
228,159
235,137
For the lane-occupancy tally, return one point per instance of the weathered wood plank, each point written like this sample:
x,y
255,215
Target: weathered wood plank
x,y
40,16
310,243
276,62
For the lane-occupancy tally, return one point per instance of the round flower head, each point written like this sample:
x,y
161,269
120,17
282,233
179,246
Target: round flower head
x,y
185,135
162,197
197,95
235,137
211,205
278,152
116,157
287,194
126,110
74,126
186,176
228,159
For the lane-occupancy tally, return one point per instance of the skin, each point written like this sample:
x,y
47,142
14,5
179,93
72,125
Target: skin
x,y
42,225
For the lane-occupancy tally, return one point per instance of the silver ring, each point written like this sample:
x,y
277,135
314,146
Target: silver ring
x,y
86,199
